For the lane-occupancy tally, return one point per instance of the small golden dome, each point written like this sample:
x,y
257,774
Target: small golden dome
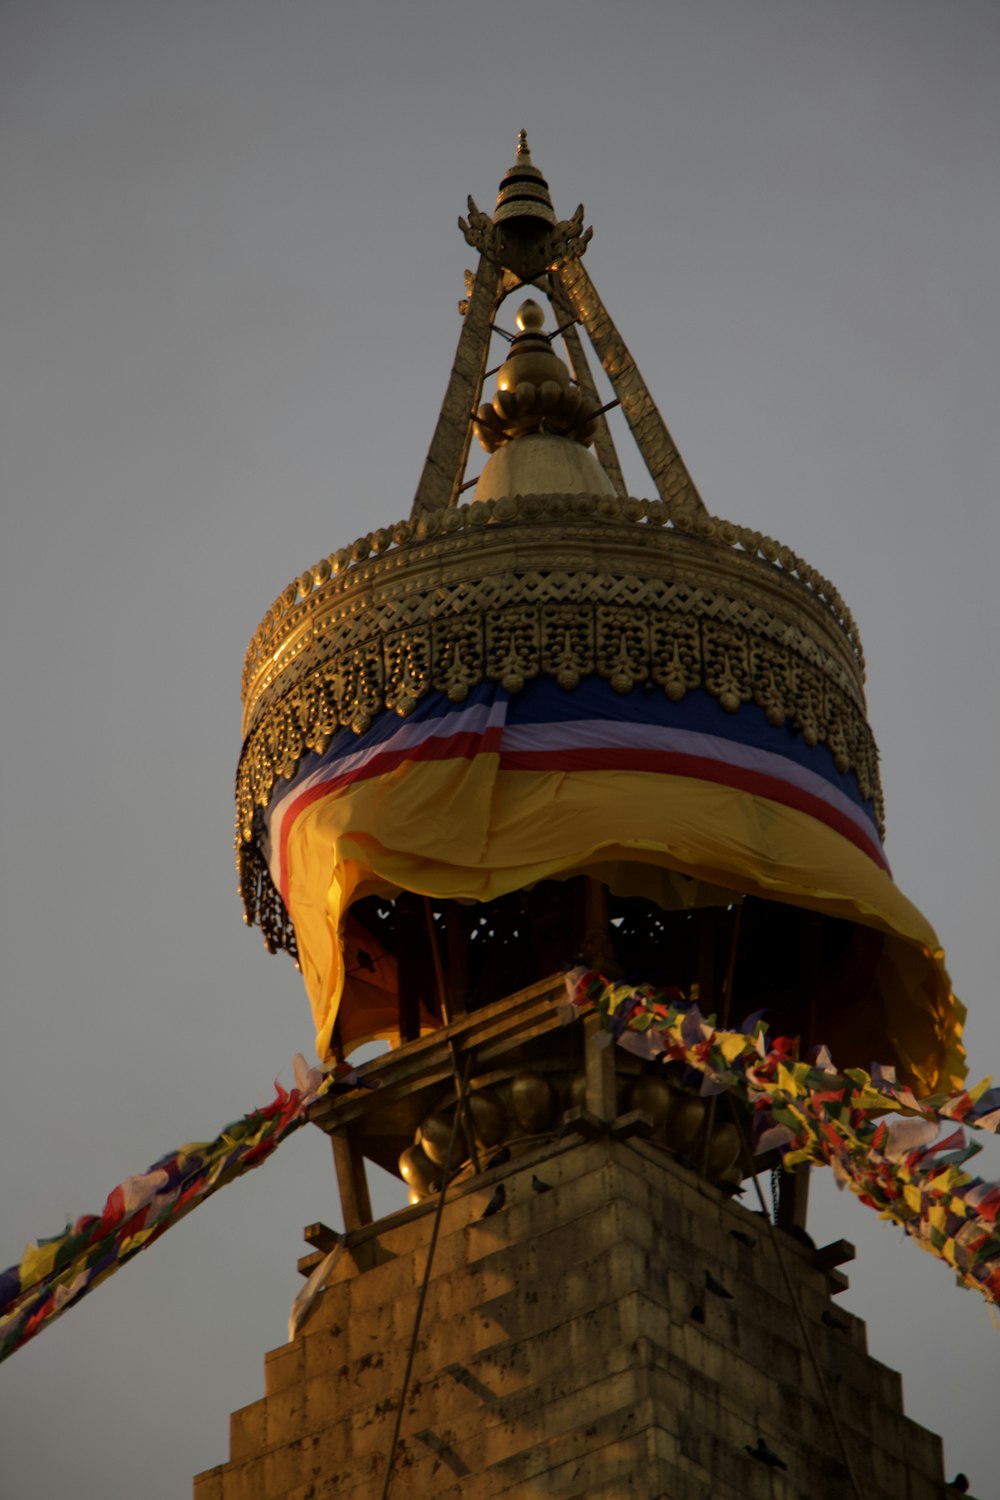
x,y
530,316
531,355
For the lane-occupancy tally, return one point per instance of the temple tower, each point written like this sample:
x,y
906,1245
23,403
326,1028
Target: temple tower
x,y
556,725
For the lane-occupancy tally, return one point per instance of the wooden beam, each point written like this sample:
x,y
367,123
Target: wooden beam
x,y
836,1253
491,1031
321,1237
793,1198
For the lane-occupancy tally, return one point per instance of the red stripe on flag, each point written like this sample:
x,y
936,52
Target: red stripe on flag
x,y
677,763
464,746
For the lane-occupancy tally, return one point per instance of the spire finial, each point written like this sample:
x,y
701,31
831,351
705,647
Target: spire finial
x,y
524,193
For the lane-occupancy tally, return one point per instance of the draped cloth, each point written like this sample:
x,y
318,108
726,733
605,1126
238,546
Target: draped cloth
x,y
681,802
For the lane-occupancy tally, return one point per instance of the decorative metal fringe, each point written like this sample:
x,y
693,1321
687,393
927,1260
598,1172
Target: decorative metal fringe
x,y
262,903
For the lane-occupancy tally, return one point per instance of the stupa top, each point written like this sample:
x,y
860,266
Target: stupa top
x,y
696,653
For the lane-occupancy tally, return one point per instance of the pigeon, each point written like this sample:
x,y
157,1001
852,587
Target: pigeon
x,y
697,1314
744,1238
960,1484
832,1321
539,1186
716,1287
765,1455
496,1203
501,1158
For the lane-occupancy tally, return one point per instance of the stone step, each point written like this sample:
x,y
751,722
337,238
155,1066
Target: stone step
x,y
465,1419
574,1339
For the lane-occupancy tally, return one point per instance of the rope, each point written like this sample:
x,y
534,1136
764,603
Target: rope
x,y
464,1108
796,1308
423,1292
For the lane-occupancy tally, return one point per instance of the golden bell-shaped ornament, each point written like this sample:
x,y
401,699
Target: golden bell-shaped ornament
x,y
685,1121
532,1102
723,1153
655,1097
434,1135
417,1170
489,1117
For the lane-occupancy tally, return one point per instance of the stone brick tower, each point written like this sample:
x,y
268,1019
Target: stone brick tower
x,y
559,722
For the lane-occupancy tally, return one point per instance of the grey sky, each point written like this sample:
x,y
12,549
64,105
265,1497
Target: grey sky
x,y
227,304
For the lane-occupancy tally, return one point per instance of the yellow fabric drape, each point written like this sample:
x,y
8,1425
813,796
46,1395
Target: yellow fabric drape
x,y
465,830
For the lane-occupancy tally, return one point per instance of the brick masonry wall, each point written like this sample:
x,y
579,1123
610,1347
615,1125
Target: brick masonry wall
x,y
572,1347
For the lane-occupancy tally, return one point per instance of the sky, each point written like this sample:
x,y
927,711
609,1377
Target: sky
x,y
228,280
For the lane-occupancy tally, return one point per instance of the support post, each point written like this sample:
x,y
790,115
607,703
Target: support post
x,y
411,956
667,469
709,959
352,1181
599,1058
445,465
793,1198
457,939
599,1070
604,445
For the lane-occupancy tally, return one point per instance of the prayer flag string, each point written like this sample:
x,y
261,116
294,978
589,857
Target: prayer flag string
x,y
57,1272
812,1113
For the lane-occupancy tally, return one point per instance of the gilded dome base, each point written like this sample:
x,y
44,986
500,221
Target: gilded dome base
x,y
541,463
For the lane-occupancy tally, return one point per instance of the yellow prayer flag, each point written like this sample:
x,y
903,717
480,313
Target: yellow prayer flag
x,y
37,1261
913,1198
787,1082
731,1044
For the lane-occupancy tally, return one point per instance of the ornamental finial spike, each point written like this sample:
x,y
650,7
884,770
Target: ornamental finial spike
x,y
523,149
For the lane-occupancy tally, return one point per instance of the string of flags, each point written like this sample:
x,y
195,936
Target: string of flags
x,y
812,1113
57,1272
